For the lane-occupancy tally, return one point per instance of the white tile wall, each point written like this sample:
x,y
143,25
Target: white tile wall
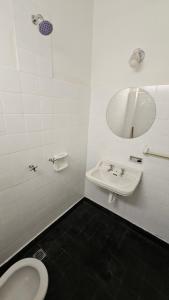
x,y
31,104
14,124
2,125
115,37
11,103
150,202
39,117
7,49
9,80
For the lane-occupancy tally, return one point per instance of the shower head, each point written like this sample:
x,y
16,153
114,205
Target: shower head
x,y
45,27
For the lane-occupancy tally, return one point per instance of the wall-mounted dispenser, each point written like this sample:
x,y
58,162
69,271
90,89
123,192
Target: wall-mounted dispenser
x,y
60,161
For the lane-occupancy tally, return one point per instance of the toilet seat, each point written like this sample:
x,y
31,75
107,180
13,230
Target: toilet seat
x,y
27,279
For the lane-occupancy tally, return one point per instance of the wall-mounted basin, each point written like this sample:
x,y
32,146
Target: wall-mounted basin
x,y
114,177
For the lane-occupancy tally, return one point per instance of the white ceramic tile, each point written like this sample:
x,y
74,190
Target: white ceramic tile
x,y
1,109
27,35
44,66
47,105
48,122
63,89
27,61
31,104
33,122
2,125
29,83
12,143
45,86
69,106
162,109
9,80
5,174
7,50
66,89
34,139
4,142
11,103
21,162
35,156
160,127
67,121
49,137
20,170
14,124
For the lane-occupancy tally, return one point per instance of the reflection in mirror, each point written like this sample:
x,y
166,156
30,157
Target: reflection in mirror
x,y
131,112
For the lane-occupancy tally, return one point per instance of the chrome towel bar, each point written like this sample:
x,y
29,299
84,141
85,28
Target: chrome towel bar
x,y
156,154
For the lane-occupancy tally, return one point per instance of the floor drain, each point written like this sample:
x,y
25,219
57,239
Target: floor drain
x,y
40,254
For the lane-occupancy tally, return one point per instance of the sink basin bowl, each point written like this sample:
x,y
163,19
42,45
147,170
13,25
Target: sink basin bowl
x,y
114,177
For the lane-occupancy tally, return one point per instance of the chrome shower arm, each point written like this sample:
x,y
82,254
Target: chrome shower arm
x,y
37,18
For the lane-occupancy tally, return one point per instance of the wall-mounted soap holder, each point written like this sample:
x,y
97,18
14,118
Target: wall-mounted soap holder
x,y
59,161
136,159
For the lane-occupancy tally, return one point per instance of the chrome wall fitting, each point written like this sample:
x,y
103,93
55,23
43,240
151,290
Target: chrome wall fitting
x,y
45,26
52,160
33,168
36,19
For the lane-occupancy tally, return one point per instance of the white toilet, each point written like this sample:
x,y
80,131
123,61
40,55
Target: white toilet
x,y
27,279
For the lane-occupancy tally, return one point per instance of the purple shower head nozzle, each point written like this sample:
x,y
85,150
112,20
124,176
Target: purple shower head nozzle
x,y
45,27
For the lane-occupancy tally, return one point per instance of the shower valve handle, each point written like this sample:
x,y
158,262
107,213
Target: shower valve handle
x,y
33,168
52,160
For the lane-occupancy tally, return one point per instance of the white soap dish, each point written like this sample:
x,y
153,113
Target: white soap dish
x,y
60,161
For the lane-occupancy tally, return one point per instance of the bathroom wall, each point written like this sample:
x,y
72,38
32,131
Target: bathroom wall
x,y
120,27
44,100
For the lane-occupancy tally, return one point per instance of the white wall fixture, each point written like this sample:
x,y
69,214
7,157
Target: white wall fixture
x,y
26,279
136,58
114,177
59,161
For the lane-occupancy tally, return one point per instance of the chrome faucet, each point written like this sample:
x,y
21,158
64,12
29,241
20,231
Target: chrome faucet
x,y
111,168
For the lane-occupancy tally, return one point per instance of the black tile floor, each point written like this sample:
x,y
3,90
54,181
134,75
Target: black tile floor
x,y
92,254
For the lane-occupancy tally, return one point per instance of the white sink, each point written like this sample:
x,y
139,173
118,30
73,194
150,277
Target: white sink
x,y
114,177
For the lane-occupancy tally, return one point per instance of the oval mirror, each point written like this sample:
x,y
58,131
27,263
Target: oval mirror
x,y
131,112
